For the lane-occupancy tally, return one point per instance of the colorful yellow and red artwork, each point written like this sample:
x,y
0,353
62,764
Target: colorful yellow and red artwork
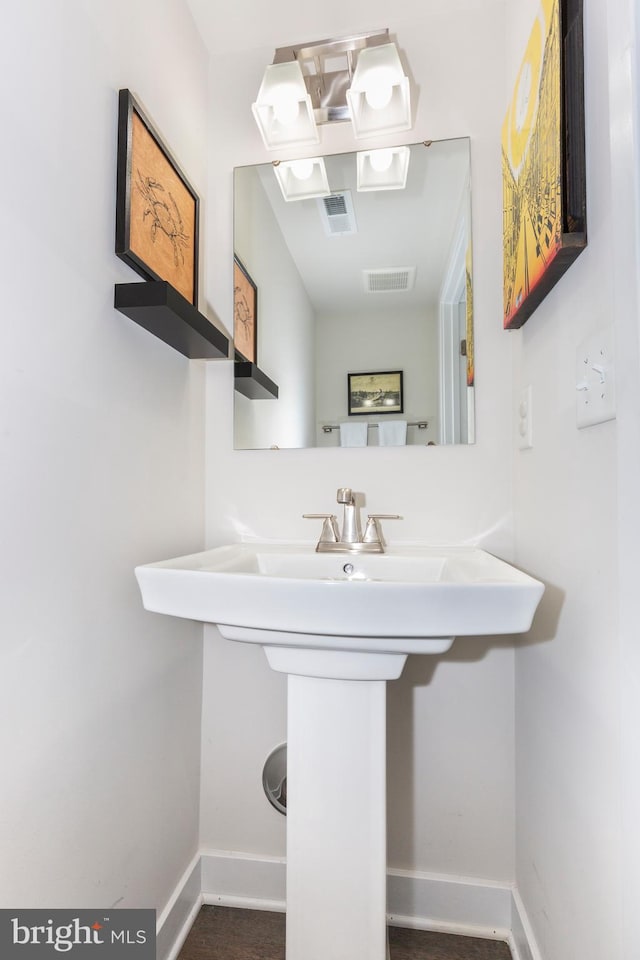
x,y
532,165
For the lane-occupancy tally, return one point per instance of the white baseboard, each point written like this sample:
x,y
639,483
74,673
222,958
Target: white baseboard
x,y
177,918
237,879
459,905
523,943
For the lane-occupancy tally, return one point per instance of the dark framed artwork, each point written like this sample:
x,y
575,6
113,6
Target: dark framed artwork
x,y
543,162
245,313
377,392
156,208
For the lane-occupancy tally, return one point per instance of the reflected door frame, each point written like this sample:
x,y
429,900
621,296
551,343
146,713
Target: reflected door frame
x,y
453,409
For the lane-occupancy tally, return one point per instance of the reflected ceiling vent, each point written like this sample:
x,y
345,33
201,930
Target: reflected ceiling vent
x,y
337,214
389,280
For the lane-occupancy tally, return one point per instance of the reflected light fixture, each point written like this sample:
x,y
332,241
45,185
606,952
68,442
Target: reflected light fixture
x,y
358,78
384,169
302,179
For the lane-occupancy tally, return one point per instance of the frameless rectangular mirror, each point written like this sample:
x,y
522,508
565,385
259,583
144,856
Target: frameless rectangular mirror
x,y
361,306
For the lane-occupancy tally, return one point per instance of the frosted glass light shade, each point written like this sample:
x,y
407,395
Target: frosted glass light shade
x,y
302,179
283,110
379,98
384,169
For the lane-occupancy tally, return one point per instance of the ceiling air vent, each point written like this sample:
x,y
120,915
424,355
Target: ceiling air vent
x,y
389,279
337,214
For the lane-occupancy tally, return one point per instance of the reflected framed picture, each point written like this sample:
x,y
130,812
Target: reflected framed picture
x,y
378,392
156,208
245,313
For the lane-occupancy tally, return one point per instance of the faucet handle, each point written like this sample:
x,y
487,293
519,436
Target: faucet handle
x,y
373,530
330,533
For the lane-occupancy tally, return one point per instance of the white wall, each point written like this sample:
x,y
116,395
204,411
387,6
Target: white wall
x,y
577,524
450,725
285,328
101,468
623,25
360,342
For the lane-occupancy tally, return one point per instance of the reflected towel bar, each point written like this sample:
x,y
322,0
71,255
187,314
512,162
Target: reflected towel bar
x,y
420,424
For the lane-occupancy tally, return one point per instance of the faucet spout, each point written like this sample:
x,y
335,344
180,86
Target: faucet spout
x,y
351,530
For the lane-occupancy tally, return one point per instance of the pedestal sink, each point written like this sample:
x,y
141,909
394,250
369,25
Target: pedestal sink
x,y
340,626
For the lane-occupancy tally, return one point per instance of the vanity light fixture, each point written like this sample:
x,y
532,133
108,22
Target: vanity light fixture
x,y
379,96
302,179
384,169
283,109
358,78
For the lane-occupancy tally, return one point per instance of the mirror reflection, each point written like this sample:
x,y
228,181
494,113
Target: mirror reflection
x,y
362,306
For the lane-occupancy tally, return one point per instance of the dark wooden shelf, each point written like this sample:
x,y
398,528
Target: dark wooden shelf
x,y
251,381
160,309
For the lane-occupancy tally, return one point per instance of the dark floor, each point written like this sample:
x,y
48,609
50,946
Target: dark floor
x,y
223,933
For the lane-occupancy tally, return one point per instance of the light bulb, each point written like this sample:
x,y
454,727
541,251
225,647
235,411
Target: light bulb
x,y
381,160
379,88
302,169
285,106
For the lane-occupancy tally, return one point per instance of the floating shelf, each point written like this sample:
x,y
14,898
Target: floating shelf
x,y
253,382
160,309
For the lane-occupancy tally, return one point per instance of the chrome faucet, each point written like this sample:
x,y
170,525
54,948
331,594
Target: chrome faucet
x,y
351,531
350,539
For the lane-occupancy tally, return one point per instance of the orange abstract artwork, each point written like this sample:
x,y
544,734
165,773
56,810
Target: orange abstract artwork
x,y
245,313
162,213
156,208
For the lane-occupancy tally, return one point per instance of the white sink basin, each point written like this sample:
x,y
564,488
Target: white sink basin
x,y
340,626
411,599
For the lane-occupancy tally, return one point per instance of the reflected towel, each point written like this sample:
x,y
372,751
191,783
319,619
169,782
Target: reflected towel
x,y
353,434
392,433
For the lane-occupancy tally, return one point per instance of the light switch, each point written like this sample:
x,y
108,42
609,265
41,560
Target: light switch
x,y
525,419
595,380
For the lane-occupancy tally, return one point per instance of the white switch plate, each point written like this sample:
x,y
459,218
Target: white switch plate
x,y
525,419
595,380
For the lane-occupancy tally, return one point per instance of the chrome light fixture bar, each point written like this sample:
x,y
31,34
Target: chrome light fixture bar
x,y
358,78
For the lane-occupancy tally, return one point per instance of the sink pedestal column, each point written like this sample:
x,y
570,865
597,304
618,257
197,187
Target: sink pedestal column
x,y
336,820
336,816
